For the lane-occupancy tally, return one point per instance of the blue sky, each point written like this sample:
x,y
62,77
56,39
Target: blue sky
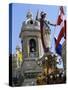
x,y
19,12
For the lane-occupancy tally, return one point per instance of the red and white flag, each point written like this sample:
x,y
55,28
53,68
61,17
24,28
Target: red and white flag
x,y
62,22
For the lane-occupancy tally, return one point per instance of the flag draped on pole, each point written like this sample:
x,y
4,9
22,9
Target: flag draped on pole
x,y
62,22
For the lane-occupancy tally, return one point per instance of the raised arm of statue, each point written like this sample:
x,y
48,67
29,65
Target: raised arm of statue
x,y
48,22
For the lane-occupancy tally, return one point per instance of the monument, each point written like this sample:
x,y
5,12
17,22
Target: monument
x,y
32,48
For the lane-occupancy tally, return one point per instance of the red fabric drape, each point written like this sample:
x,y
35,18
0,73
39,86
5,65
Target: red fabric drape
x,y
63,29
59,20
61,34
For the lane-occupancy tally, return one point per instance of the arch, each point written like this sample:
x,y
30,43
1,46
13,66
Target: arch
x,y
32,45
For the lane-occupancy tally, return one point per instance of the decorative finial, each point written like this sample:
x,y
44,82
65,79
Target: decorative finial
x,y
29,14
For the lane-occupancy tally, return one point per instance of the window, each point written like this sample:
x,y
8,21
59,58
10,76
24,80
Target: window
x,y
31,21
32,45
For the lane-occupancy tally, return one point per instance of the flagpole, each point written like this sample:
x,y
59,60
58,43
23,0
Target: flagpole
x,y
54,29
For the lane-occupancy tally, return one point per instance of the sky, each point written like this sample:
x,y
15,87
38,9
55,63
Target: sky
x,y
19,12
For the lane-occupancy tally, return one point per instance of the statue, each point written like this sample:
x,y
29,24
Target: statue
x,y
44,25
18,57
